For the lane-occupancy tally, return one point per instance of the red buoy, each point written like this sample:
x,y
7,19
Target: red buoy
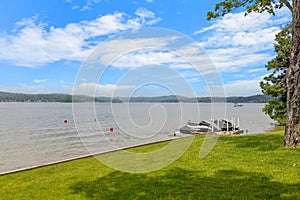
x,y
65,121
111,129
95,120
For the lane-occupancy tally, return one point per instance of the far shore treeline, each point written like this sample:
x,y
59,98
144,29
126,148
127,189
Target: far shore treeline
x,y
20,97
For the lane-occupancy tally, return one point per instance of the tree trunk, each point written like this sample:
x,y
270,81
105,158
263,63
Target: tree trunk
x,y
292,129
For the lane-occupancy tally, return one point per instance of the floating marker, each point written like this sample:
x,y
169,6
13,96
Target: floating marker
x,y
65,121
95,120
111,129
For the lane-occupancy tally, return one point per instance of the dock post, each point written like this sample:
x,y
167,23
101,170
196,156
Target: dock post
x,y
227,124
234,123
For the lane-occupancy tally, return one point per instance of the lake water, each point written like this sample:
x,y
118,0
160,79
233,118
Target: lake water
x,y
35,133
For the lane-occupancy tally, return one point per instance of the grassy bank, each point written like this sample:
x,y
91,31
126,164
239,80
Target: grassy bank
x,y
239,167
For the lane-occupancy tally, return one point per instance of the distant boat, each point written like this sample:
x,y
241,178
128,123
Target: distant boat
x,y
237,105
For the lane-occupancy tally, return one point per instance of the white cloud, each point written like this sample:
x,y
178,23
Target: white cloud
x,y
140,59
75,7
35,44
109,90
40,80
256,70
36,89
153,51
144,13
243,87
237,22
235,41
89,3
117,50
233,59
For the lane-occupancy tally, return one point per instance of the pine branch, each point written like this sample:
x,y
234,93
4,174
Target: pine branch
x,y
290,7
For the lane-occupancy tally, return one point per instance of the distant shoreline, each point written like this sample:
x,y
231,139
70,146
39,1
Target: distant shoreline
x,y
67,98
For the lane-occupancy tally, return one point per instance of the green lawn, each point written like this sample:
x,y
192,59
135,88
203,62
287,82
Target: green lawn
x,y
239,167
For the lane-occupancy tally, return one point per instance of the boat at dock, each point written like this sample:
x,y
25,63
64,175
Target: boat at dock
x,y
218,126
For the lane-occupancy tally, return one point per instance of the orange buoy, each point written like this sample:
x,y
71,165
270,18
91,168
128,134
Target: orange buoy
x,y
111,129
65,121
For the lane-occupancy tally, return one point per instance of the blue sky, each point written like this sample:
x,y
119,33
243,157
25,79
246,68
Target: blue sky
x,y
44,45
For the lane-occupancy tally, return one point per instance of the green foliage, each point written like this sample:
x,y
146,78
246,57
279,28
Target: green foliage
x,y
250,99
239,167
273,83
259,6
276,109
20,97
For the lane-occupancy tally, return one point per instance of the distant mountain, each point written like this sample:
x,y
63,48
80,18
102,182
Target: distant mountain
x,y
250,99
166,99
174,98
21,97
260,98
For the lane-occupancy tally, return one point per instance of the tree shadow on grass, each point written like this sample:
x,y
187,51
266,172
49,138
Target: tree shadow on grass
x,y
261,142
183,184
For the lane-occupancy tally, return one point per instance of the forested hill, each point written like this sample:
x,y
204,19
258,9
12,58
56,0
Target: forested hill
x,y
20,97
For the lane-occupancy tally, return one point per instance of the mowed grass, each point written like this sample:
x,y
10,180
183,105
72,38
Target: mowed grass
x,y
238,167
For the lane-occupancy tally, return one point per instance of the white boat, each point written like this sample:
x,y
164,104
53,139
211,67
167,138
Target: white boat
x,y
210,126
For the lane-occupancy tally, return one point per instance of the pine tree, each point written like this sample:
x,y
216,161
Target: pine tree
x,y
273,84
